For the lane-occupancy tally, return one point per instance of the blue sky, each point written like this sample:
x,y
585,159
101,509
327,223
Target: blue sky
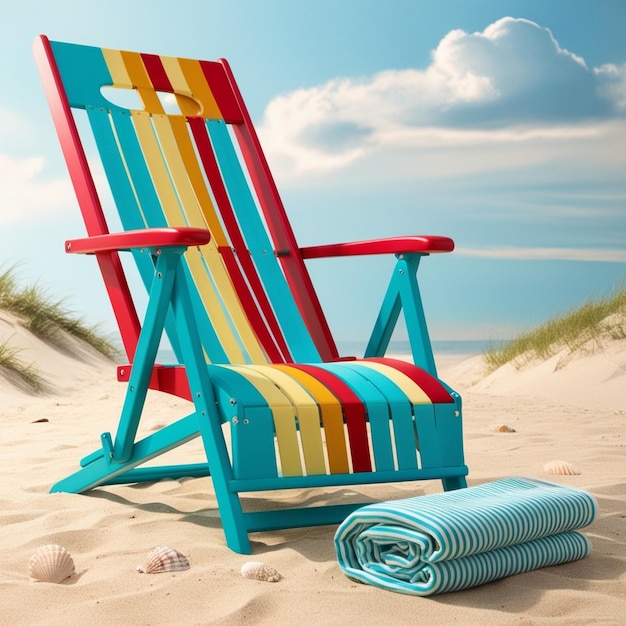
x,y
499,123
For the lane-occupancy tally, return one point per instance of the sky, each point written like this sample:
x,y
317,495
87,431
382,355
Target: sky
x,y
499,123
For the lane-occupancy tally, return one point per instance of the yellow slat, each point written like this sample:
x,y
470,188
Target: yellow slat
x,y
171,135
170,203
195,79
117,68
206,210
332,418
190,192
284,419
141,82
187,103
308,417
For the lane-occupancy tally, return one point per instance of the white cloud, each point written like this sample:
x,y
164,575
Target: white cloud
x,y
511,78
547,254
612,83
25,194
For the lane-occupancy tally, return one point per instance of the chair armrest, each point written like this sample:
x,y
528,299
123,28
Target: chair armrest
x,y
145,238
419,244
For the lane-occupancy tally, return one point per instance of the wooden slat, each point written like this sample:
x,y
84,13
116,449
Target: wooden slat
x,y
284,419
170,204
141,82
429,384
250,288
413,391
401,412
293,327
168,74
354,413
377,409
195,78
280,228
117,68
332,418
307,413
208,257
222,92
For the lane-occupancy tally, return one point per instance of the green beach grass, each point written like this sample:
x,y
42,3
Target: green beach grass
x,y
46,318
587,327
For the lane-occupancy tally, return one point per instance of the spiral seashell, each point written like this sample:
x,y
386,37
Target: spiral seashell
x,y
256,570
163,559
501,428
560,468
51,564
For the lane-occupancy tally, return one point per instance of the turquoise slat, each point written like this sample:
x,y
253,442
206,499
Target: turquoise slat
x,y
459,539
377,413
83,70
145,201
401,414
292,325
102,125
154,217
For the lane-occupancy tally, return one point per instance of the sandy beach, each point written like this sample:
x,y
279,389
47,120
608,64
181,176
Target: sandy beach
x,y
570,409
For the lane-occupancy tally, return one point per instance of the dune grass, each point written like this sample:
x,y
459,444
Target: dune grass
x,y
46,318
23,374
593,323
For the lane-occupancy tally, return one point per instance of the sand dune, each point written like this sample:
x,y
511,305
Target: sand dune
x,y
576,413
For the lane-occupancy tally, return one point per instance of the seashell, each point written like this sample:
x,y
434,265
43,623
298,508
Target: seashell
x,y
163,559
501,428
560,468
51,564
260,571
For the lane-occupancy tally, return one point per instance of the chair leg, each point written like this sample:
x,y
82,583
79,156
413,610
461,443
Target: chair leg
x,y
209,423
455,482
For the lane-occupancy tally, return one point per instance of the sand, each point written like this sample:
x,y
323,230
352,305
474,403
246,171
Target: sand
x,y
576,414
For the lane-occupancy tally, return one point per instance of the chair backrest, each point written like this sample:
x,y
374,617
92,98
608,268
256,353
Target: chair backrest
x,y
187,155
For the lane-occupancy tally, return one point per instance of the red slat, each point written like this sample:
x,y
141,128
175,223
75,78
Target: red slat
x,y
250,307
266,315
156,72
354,413
280,229
222,91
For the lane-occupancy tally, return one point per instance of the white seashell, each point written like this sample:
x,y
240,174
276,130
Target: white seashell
x,y
260,571
560,468
163,559
501,428
51,564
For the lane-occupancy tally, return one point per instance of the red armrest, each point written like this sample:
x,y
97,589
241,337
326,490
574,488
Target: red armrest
x,y
421,244
145,238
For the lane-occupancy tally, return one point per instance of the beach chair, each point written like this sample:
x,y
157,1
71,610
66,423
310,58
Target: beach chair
x,y
275,404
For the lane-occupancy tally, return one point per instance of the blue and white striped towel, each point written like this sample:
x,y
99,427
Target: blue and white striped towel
x,y
464,538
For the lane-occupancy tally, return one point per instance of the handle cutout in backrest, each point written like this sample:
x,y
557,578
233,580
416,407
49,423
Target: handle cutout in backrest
x,y
170,103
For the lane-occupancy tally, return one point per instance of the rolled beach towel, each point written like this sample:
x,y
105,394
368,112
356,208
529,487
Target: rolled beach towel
x,y
464,538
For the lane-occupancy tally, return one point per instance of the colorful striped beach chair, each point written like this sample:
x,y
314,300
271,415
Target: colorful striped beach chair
x,y
274,403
